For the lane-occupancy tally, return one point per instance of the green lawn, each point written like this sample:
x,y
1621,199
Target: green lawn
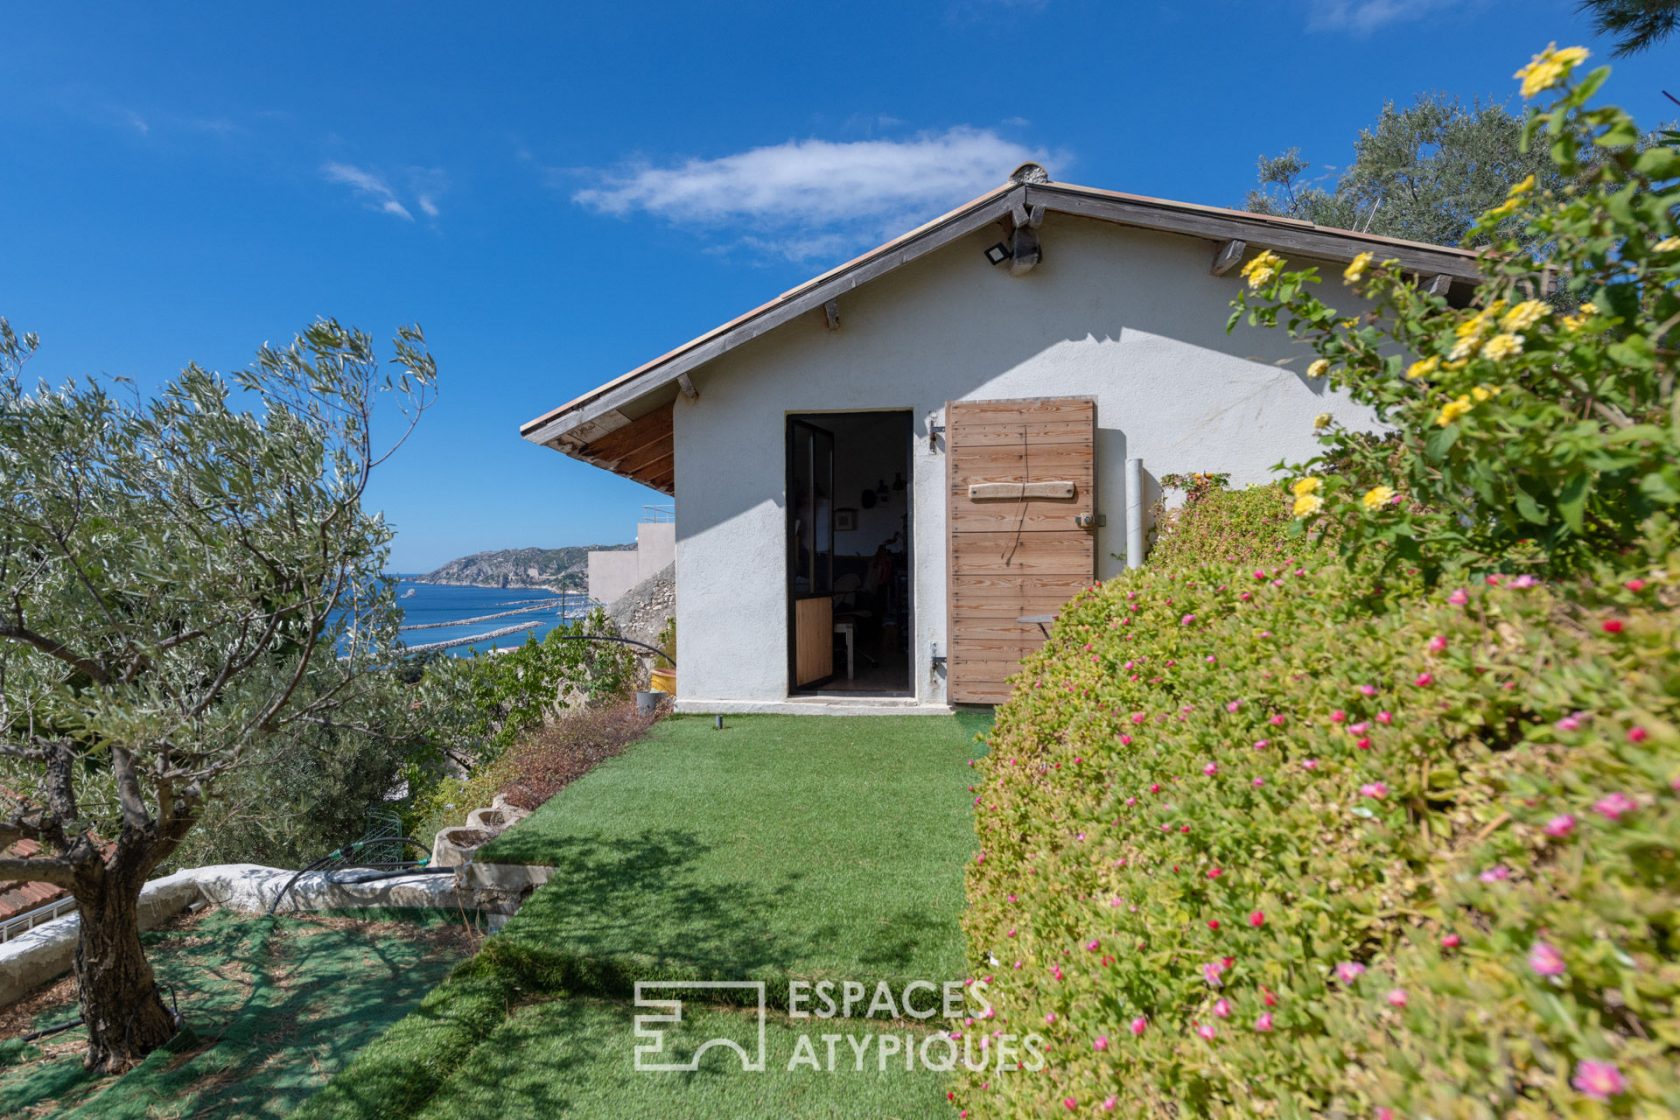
x,y
778,848
575,1058
781,846
275,1007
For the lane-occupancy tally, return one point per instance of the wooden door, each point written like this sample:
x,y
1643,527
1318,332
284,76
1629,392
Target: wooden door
x,y
1021,515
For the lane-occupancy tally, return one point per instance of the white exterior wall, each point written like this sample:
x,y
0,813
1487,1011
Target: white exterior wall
x,y
612,573
1129,317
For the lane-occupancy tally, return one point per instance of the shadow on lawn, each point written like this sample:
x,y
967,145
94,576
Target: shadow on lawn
x,y
620,909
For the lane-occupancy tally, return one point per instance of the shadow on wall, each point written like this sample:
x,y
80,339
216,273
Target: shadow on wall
x,y
1134,306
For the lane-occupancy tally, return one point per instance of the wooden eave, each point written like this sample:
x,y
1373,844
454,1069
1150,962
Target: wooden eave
x,y
625,425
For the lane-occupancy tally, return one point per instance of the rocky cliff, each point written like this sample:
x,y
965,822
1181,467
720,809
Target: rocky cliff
x,y
553,569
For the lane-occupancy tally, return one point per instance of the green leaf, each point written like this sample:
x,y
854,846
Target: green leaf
x,y
1572,500
1530,509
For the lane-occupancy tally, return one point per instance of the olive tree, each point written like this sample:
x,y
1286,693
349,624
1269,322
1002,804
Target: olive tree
x,y
184,581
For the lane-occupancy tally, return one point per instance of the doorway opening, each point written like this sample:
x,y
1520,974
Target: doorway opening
x,y
849,554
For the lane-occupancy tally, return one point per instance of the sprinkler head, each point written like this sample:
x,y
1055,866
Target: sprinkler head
x,y
719,725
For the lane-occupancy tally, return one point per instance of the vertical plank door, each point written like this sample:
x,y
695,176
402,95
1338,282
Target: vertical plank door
x,y
1021,503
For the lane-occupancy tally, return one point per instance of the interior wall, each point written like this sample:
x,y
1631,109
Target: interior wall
x,y
1132,318
868,448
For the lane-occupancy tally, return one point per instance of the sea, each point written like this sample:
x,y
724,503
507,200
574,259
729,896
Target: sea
x,y
466,620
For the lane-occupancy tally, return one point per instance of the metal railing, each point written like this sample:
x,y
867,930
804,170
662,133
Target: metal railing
x,y
20,924
659,514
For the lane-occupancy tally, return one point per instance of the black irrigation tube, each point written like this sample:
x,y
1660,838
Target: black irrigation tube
x,y
385,870
622,641
60,1028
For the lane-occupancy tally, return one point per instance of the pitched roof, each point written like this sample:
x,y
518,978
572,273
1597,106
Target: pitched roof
x,y
577,426
16,896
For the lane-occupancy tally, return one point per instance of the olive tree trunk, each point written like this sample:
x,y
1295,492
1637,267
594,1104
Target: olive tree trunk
x,y
125,1015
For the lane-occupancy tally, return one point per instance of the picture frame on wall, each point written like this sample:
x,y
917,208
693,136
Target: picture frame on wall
x,y
845,520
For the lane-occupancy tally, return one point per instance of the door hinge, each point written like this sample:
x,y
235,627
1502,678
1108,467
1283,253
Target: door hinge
x,y
934,432
1091,520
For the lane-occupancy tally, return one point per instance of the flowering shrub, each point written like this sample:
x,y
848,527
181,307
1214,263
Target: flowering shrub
x,y
1290,842
1247,526
1534,429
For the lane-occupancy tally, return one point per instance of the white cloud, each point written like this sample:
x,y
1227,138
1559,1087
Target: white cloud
x,y
425,185
370,187
815,198
1364,16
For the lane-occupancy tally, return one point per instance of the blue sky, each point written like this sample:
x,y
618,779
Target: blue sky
x,y
559,192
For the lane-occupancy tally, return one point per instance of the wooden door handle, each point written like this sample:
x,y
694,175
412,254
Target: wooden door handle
x,y
1019,491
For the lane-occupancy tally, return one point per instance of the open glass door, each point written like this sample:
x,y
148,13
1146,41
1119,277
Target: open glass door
x,y
810,553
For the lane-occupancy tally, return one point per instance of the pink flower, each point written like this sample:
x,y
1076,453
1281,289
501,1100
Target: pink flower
x,y
1050,1017
1397,997
1637,735
1498,873
1233,705
1257,919
1222,1008
1385,718
1138,717
1598,1080
1375,790
1187,620
1093,945
1309,764
1111,1104
1571,722
1262,744
1207,1031
1069,1103
1612,806
1056,971
1424,680
1264,1022
1367,690
1210,769
1100,1042
1459,598
1349,971
1211,973
1258,782
1611,626
1139,1025
1260,576
1338,716
1544,959
1561,825
1635,585
1214,872
1278,720
1451,941
1438,644
1524,581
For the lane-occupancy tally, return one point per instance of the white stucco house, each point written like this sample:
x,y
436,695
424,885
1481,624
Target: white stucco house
x,y
888,478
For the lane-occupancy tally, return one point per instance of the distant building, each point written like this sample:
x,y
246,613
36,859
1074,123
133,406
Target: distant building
x,y
613,572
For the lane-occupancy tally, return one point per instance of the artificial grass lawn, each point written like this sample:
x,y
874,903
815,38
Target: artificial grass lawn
x,y
576,1057
781,846
277,1007
778,848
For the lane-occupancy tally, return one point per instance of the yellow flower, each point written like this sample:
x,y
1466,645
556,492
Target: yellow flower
x,y
1453,410
1321,421
1376,497
1319,368
1422,368
1502,346
1356,269
1524,315
1548,68
1522,187
1486,392
1304,486
1667,245
1307,504
1259,271
1578,320
1503,210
